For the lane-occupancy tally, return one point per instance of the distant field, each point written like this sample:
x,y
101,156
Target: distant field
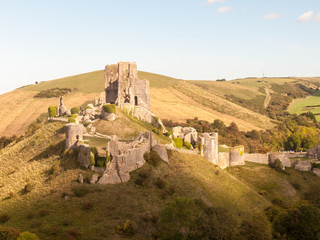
x,y
302,105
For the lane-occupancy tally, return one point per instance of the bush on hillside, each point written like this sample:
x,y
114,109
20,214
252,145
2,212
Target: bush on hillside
x,y
300,222
277,165
92,159
128,228
8,233
75,110
53,92
4,218
52,111
28,236
156,131
177,142
187,145
185,218
109,108
256,228
152,158
72,120
168,134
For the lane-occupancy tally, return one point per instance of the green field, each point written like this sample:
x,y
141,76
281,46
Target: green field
x,y
303,105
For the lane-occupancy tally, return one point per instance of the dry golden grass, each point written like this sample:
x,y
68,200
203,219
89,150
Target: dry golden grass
x,y
20,108
203,99
182,107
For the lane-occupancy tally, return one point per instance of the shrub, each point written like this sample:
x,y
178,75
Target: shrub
x,y
109,108
160,183
168,134
72,234
52,111
4,218
75,110
72,120
30,215
80,192
27,188
87,206
156,131
256,228
277,165
300,222
28,236
152,158
187,145
200,147
55,167
53,92
128,228
92,159
43,212
7,233
177,143
66,222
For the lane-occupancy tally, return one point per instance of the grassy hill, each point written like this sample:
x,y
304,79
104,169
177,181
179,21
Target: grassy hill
x,y
241,101
56,206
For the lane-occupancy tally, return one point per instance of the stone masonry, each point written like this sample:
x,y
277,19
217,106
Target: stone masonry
x,y
210,147
123,86
74,135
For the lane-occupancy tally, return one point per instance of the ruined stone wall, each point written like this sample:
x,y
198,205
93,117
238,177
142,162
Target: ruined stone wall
x,y
142,93
143,114
111,75
123,86
256,158
126,157
223,160
74,133
210,147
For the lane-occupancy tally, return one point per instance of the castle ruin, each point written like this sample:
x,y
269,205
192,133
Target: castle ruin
x,y
123,87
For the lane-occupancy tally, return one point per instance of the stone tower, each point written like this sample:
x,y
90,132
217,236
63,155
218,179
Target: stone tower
x,y
74,134
210,147
122,86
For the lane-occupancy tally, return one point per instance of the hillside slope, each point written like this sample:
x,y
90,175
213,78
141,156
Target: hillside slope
x,y
44,210
170,99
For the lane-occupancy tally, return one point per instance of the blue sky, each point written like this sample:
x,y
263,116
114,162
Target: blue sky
x,y
189,39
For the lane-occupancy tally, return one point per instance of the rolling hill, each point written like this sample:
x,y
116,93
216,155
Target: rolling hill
x,y
170,99
242,101
43,197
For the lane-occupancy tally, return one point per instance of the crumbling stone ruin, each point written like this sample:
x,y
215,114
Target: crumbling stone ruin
x,y
236,156
210,147
126,157
187,134
123,86
124,89
62,109
74,135
285,161
314,152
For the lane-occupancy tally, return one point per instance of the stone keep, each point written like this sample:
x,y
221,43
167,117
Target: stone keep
x,y
74,133
122,86
210,147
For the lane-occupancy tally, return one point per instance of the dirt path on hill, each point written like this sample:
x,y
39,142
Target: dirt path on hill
x,y
268,97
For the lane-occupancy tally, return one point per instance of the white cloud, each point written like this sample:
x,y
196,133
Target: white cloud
x,y
305,17
272,16
224,9
317,18
214,1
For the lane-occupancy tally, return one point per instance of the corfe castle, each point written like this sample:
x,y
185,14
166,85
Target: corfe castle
x,y
125,90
